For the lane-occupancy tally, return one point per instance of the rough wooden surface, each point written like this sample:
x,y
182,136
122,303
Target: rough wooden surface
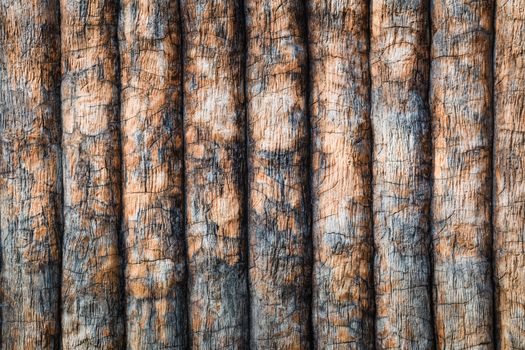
x,y
92,314
342,305
30,174
462,119
279,235
267,174
401,169
214,121
509,184
151,127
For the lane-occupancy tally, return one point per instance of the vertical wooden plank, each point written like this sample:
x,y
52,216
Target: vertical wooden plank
x,y
342,306
509,157
279,237
151,126
30,174
461,111
91,294
402,159
214,121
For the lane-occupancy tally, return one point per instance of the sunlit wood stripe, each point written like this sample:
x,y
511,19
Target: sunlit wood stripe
x,y
399,62
279,237
462,119
342,306
30,174
151,127
92,313
509,190
214,127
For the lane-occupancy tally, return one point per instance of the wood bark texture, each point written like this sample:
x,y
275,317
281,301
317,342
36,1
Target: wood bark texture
x,y
279,232
262,174
342,305
30,171
92,314
151,128
399,65
214,123
509,181
461,221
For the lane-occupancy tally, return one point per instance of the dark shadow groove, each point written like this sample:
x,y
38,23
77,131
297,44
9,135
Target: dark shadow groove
x,y
186,296
60,170
492,163
246,171
431,177
371,172
308,186
120,227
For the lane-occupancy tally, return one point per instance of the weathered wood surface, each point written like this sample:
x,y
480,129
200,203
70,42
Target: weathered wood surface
x,y
278,206
151,128
214,122
509,182
399,63
461,224
342,286
92,313
275,174
30,174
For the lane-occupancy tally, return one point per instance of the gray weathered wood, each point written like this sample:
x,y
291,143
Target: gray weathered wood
x,y
214,122
509,189
147,203
30,174
279,237
151,128
92,314
461,111
399,62
342,305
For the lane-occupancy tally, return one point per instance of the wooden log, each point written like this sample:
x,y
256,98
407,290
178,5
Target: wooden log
x,y
30,174
92,314
151,126
509,189
402,159
278,223
342,306
462,118
214,123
